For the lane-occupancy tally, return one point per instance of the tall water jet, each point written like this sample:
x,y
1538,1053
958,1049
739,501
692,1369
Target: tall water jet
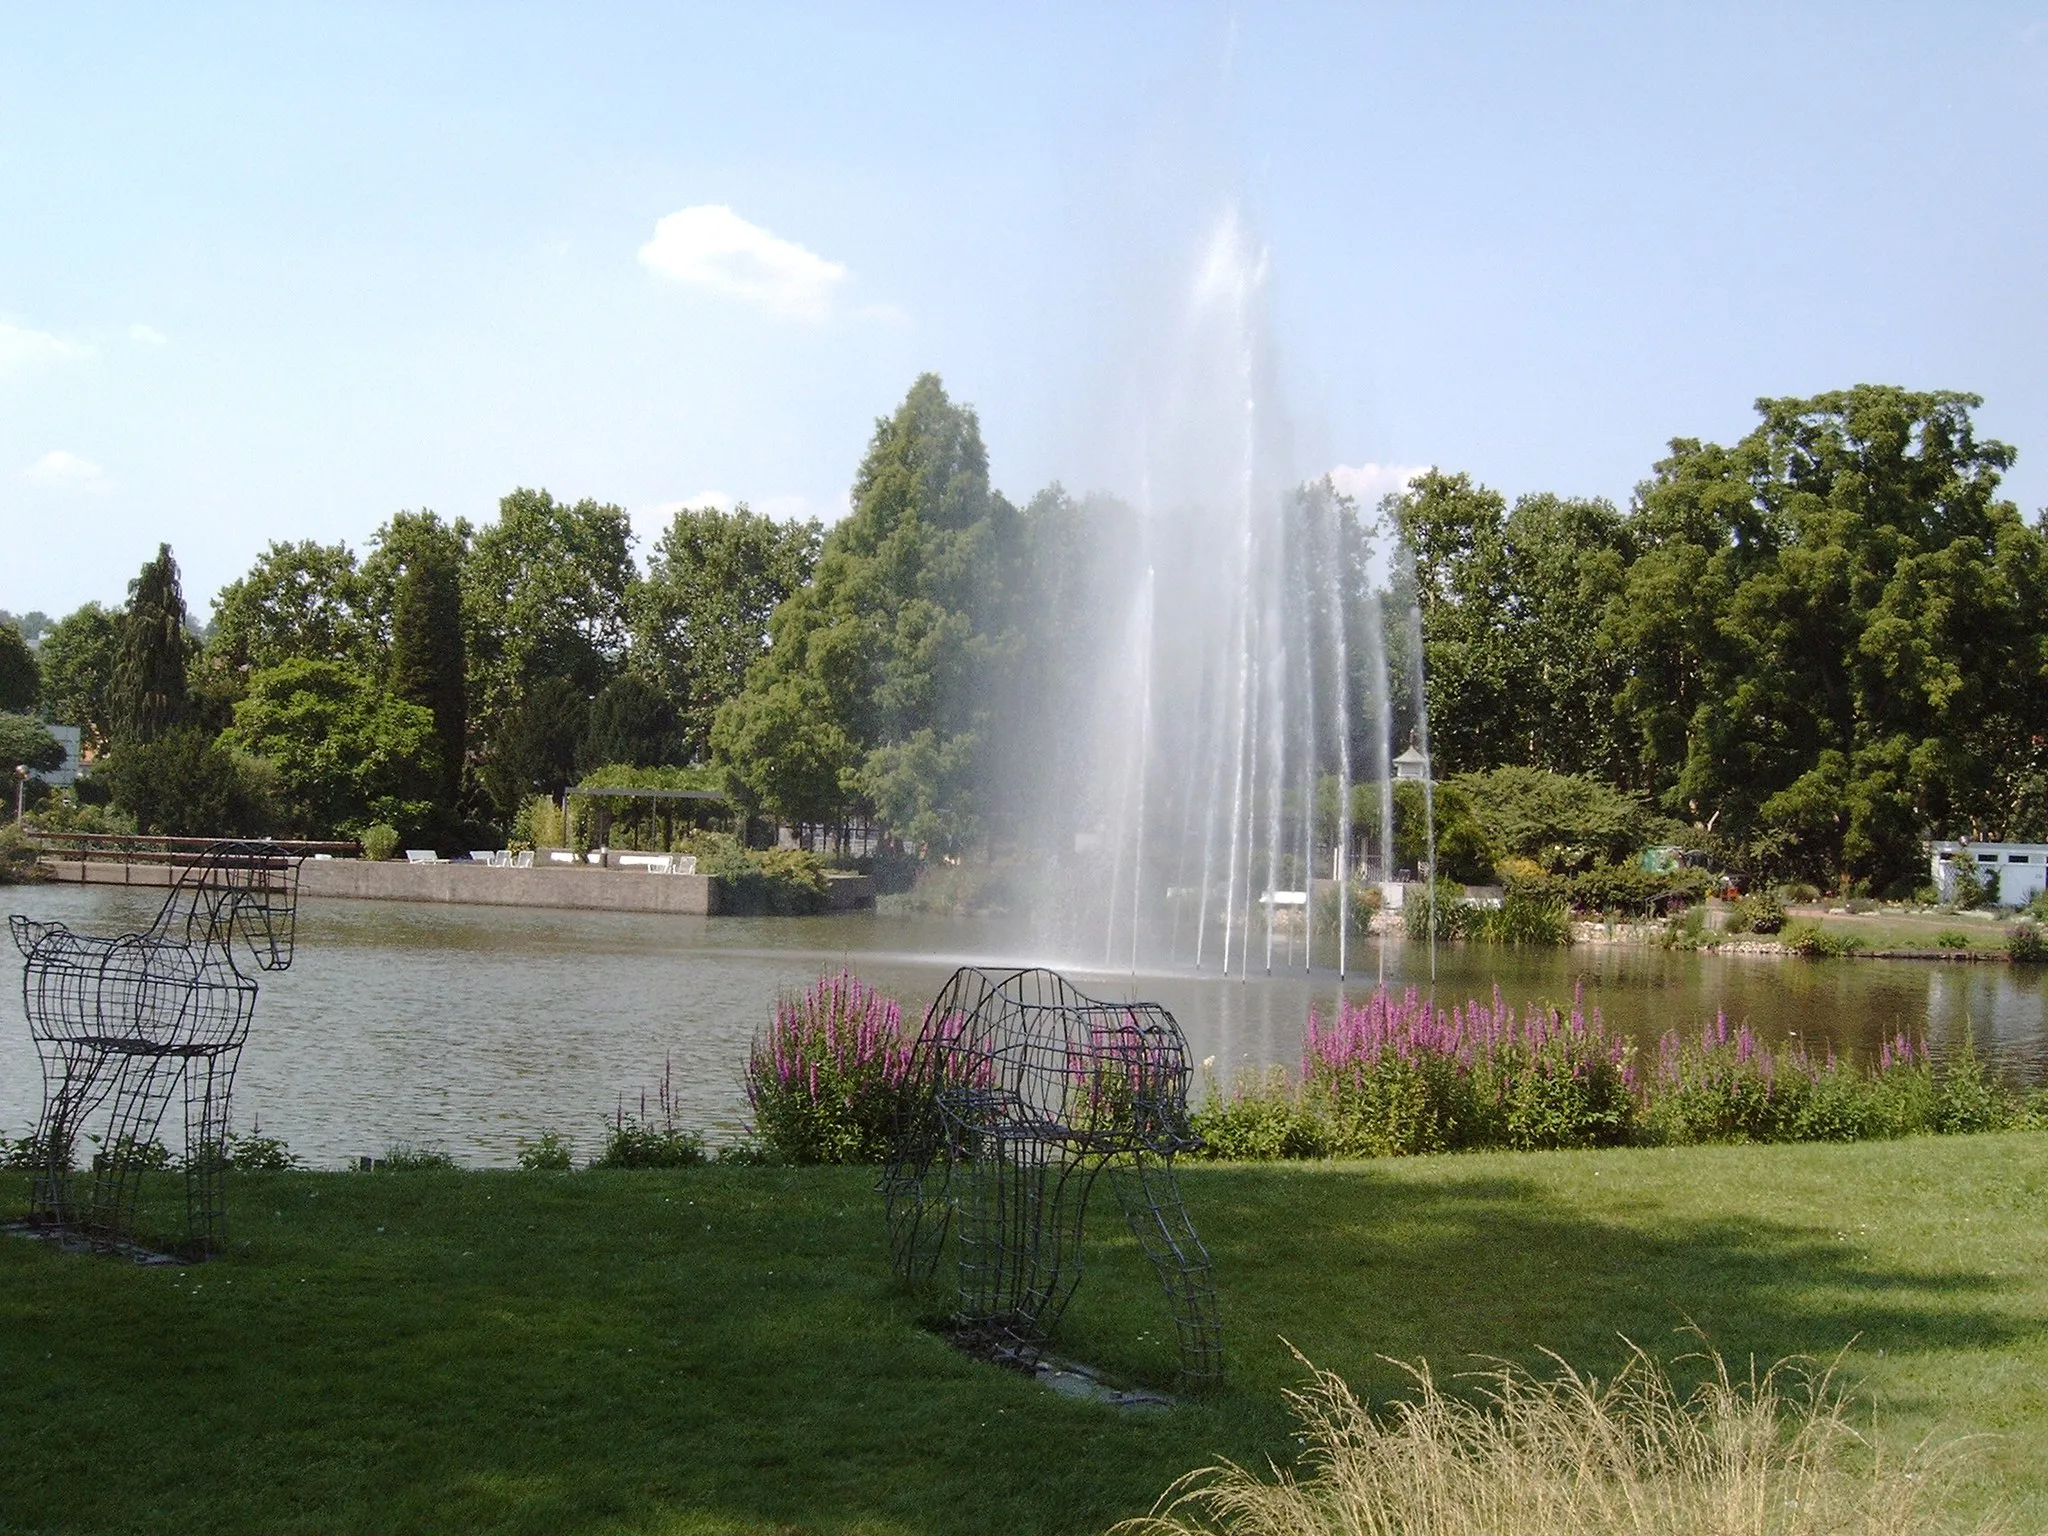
x,y
1241,690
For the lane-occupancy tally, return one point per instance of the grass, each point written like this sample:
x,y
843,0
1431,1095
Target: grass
x,y
1891,929
723,1350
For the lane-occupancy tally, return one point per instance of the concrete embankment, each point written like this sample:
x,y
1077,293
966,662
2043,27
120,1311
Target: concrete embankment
x,y
582,888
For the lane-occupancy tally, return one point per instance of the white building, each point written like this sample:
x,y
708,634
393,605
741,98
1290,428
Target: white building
x,y
2021,868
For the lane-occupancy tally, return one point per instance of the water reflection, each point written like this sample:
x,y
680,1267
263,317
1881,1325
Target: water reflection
x,y
474,1026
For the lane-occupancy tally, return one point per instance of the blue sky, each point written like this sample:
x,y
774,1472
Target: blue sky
x,y
278,272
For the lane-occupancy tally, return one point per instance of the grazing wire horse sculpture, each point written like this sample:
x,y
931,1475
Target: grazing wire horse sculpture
x,y
1019,1093
124,1022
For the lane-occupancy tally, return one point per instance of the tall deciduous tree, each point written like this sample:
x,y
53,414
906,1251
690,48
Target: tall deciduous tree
x,y
874,691
149,687
1835,636
298,601
77,659
700,619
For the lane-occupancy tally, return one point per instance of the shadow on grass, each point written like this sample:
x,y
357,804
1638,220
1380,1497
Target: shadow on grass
x,y
725,1350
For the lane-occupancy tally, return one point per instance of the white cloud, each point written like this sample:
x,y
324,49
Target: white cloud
x,y
147,335
710,246
61,468
21,347
1369,482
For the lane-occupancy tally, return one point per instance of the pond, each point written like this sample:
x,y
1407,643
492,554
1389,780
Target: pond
x,y
471,1028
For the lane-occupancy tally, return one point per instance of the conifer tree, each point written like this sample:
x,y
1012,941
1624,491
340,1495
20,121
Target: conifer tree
x,y
149,668
428,661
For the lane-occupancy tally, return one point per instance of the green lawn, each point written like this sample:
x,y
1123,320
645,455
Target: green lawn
x,y
723,1349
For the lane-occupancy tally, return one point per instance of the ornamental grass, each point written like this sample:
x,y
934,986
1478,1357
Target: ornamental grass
x,y
1564,1454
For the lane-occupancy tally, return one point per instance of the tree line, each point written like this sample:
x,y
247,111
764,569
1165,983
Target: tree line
x,y
1805,651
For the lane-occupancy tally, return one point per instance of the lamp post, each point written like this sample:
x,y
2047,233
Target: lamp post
x,y
20,789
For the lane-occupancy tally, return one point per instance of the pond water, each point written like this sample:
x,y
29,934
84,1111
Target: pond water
x,y
474,1027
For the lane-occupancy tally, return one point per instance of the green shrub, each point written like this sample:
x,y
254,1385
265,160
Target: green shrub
x,y
1967,1098
1758,912
379,841
258,1153
1522,918
1360,910
1262,1119
18,855
1951,938
2026,942
1451,911
650,1138
549,1153
410,1157
1816,942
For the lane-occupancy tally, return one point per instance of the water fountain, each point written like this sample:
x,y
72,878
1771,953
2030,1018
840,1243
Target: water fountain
x,y
1249,685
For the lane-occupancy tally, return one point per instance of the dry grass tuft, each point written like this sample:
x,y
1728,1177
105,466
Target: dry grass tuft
x,y
1774,1453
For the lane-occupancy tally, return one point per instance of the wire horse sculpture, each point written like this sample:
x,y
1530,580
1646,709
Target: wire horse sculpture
x,y
1020,1092
123,1022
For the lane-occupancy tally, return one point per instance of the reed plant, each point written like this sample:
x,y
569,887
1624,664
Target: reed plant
x,y
1783,1451
823,1082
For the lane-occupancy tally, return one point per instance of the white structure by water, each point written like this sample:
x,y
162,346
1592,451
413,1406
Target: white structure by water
x,y
2021,868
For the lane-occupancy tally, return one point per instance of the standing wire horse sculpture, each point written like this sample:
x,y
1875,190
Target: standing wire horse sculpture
x,y
1020,1092
123,1022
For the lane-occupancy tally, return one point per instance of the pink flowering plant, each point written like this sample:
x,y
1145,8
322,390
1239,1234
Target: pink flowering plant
x,y
824,1080
1397,1075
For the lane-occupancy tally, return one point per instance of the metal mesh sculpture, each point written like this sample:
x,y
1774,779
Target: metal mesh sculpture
x,y
122,1023
1020,1092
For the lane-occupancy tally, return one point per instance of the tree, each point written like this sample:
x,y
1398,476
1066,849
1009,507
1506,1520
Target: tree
x,y
345,753
538,743
700,618
1511,602
544,595
21,680
25,743
900,634
419,562
632,723
299,601
1561,820
1834,639
185,783
148,693
77,659
33,625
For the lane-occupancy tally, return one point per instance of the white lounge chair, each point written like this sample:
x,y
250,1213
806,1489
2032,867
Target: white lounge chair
x,y
421,856
522,860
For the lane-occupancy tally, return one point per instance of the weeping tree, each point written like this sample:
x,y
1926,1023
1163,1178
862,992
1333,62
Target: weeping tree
x,y
149,690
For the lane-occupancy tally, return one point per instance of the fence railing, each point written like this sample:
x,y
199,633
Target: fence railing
x,y
124,848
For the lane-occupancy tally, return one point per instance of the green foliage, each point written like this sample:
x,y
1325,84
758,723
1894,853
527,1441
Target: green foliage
x,y
751,883
544,598
380,841
21,679
547,1153
1816,942
345,752
147,696
77,658
875,688
1464,851
701,617
258,1153
1563,821
299,602
1951,938
631,723
1626,889
2027,942
412,1157
537,743
185,783
1449,913
1524,917
1757,912
1364,905
650,1138
25,742
1969,888
420,558
18,857
825,1081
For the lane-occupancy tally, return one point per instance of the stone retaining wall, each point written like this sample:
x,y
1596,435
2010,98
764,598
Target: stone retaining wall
x,y
582,888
